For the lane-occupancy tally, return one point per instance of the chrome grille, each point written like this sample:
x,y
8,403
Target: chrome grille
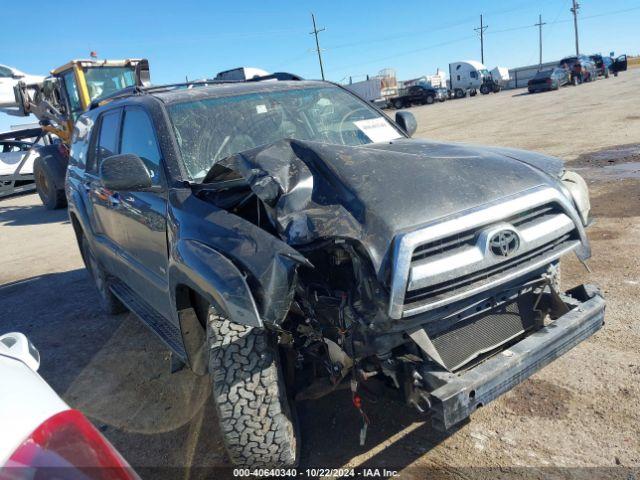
x,y
451,259
468,238
475,279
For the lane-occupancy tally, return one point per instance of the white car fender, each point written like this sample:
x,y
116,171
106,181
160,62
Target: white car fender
x,y
26,400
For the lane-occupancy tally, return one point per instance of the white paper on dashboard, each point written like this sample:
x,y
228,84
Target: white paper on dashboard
x,y
377,129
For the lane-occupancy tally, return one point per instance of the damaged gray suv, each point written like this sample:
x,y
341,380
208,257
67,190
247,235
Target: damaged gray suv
x,y
288,239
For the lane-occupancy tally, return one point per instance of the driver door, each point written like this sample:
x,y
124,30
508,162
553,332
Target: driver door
x,y
140,216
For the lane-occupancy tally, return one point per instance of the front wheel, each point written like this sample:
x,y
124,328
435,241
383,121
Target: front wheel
x,y
430,99
398,104
108,300
256,419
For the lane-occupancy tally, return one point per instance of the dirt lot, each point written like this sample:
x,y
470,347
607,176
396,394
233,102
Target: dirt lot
x,y
581,411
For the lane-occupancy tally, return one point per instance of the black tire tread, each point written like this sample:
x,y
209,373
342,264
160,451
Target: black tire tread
x,y
250,396
108,301
54,198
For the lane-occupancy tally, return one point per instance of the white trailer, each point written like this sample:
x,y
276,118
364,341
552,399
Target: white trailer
x,y
467,77
242,73
375,89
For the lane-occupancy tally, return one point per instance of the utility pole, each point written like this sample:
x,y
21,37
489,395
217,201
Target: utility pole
x,y
574,10
481,30
539,25
316,32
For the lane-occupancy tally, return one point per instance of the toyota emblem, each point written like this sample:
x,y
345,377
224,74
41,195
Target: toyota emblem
x,y
504,243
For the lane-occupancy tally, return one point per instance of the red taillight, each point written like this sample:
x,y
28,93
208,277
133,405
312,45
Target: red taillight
x,y
67,446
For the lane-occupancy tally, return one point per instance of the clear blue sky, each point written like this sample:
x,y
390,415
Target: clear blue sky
x,y
197,39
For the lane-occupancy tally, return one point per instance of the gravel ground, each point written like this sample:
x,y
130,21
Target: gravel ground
x,y
579,412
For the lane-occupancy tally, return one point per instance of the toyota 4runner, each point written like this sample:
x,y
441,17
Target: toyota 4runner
x,y
289,239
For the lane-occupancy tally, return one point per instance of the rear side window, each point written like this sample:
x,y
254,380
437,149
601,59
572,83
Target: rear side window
x,y
107,140
138,138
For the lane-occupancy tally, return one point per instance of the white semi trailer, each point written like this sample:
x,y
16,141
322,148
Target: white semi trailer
x,y
376,90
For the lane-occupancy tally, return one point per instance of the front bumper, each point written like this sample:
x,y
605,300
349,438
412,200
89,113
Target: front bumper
x,y
463,393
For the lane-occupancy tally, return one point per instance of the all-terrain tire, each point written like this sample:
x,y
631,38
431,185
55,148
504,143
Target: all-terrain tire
x,y
52,197
109,302
255,415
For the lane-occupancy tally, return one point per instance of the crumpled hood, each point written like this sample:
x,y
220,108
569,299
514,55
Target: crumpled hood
x,y
371,193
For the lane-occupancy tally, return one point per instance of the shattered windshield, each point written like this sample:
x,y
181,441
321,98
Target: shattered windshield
x,y
213,128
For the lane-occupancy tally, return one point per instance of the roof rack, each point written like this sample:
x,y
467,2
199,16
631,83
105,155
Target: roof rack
x,y
141,90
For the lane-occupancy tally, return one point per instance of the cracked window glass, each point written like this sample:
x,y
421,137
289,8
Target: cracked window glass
x,y
210,129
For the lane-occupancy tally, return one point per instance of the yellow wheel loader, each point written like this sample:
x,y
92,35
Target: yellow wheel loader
x,y
57,102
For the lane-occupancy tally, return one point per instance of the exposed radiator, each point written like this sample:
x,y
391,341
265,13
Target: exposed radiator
x,y
471,338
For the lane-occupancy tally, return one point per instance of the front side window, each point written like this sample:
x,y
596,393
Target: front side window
x,y
107,144
214,128
5,72
138,138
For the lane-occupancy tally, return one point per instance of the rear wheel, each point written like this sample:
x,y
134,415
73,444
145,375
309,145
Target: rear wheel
x,y
52,197
255,414
459,93
398,104
108,300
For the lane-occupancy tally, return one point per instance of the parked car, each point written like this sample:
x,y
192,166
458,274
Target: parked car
x,y
603,64
607,65
545,80
288,238
579,68
41,436
418,94
9,77
18,151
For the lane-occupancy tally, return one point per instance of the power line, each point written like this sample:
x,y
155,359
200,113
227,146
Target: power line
x,y
407,52
481,30
539,25
315,32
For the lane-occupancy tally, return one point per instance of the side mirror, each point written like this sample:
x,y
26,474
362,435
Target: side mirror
x,y
407,122
125,172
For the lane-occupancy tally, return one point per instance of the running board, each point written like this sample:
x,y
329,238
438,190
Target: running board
x,y
167,332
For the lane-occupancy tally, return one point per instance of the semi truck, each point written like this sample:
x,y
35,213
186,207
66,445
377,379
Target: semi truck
x,y
470,76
